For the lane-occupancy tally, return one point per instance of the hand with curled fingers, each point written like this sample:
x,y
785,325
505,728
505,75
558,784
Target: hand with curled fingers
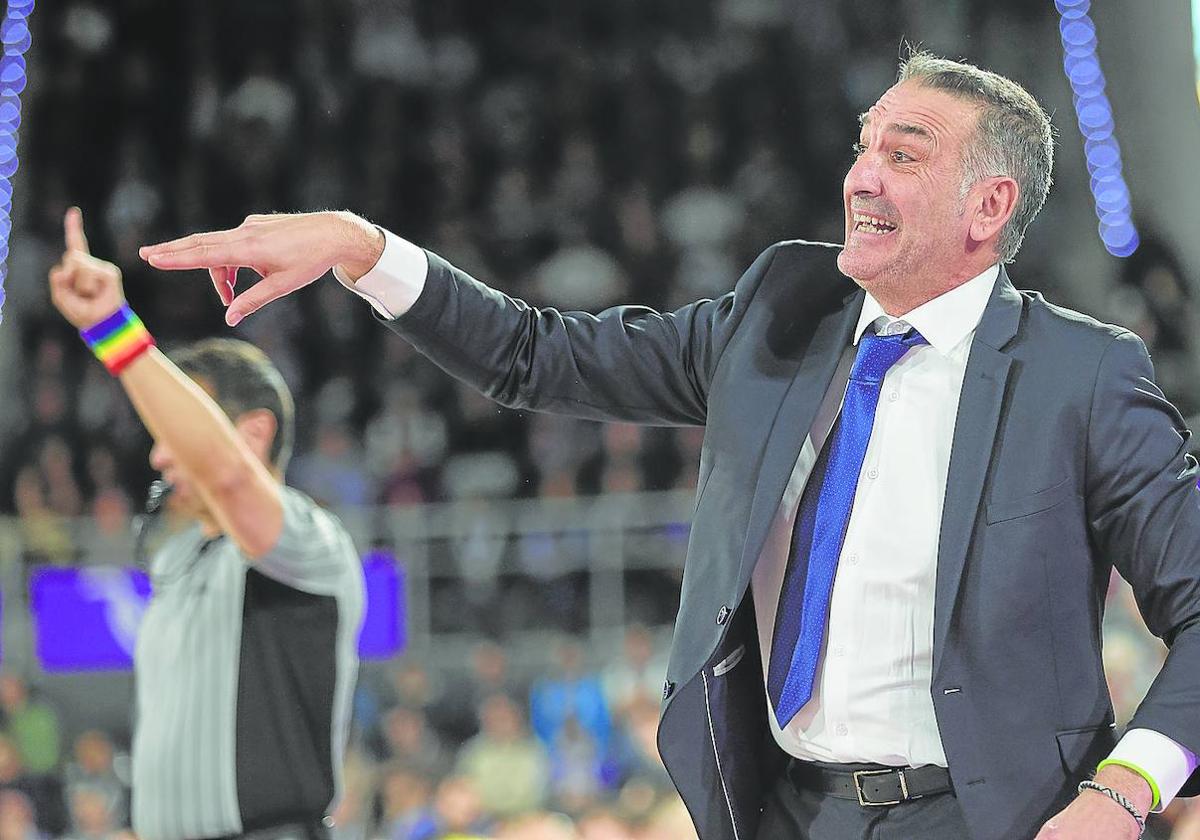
x,y
86,290
288,251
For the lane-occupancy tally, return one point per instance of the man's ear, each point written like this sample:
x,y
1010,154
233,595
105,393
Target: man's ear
x,y
258,428
997,203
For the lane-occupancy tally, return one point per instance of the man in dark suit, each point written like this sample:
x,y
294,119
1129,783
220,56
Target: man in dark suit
x,y
912,490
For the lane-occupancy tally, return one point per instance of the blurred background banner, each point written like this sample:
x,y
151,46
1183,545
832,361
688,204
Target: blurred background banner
x,y
572,154
382,634
86,619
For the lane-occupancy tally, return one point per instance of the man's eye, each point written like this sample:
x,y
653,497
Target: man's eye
x,y
900,157
858,148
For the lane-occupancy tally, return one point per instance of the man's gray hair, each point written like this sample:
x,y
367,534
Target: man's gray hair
x,y
1013,136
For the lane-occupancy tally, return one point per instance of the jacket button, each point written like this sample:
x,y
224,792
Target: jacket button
x,y
668,687
723,615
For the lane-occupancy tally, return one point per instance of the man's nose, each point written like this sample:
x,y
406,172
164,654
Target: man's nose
x,y
158,457
864,176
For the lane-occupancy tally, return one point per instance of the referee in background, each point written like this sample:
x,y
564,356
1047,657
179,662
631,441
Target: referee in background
x,y
247,654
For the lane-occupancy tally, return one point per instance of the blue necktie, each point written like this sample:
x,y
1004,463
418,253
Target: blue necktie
x,y
821,527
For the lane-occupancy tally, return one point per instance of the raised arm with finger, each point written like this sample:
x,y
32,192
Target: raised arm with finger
x,y
236,487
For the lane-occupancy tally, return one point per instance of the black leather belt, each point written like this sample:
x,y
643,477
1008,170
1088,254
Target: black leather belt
x,y
870,784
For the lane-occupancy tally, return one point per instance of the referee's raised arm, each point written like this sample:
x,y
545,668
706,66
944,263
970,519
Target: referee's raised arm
x,y
197,447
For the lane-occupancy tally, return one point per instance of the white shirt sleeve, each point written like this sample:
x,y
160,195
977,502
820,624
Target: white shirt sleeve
x,y
1157,756
393,285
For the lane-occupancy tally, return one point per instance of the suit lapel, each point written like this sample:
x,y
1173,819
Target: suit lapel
x,y
793,419
979,409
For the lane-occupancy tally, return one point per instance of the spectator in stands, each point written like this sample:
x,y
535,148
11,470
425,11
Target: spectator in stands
x,y
334,473
638,674
110,541
42,794
459,811
44,534
409,739
602,824
489,674
669,821
406,803
577,768
636,749
31,724
18,817
92,815
507,768
93,768
538,827
570,693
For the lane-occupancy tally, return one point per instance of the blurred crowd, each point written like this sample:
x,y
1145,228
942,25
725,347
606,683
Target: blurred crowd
x,y
483,748
579,154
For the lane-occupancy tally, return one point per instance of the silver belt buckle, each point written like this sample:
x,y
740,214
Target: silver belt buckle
x,y
858,774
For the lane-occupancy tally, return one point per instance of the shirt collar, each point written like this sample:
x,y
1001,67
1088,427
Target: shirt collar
x,y
944,321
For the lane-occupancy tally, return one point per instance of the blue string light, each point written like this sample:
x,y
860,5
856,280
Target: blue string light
x,y
1094,115
15,39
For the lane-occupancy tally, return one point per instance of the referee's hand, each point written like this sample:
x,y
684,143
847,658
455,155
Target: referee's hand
x,y
288,251
86,290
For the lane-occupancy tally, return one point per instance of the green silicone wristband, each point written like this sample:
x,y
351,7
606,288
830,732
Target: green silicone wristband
x,y
1120,762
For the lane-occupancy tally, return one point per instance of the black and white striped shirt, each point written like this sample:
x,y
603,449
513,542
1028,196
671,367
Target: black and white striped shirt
x,y
245,675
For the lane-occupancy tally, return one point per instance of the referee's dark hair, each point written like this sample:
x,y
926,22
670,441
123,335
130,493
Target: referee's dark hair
x,y
243,379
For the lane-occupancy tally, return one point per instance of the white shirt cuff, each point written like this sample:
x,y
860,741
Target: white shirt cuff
x,y
393,285
1156,755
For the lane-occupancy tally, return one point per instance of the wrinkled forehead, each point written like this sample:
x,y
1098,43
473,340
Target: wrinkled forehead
x,y
920,111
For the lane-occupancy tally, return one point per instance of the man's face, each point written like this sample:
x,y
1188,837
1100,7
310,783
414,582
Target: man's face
x,y
185,499
905,222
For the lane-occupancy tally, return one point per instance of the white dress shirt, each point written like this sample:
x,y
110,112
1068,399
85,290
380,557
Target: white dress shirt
x,y
872,698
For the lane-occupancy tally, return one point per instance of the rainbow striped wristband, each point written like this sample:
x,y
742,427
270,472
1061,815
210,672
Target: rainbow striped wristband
x,y
118,339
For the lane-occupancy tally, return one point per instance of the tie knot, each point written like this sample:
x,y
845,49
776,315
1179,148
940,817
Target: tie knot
x,y
877,354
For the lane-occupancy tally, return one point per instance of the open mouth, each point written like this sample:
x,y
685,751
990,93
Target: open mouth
x,y
872,224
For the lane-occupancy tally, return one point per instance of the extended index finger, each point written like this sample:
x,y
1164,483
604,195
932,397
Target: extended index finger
x,y
200,250
73,229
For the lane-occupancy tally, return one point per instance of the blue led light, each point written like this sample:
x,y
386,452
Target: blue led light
x,y
15,34
15,38
1094,116
1079,32
1102,155
1083,71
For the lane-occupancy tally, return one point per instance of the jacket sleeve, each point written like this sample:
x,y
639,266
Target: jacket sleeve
x,y
628,363
1144,512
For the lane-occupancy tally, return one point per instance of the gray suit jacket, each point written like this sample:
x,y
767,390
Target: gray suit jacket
x,y
1066,460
